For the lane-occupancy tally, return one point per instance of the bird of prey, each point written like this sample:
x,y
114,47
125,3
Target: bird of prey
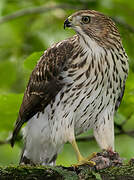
x,y
77,85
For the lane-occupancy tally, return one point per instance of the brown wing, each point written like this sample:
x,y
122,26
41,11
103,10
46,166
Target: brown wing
x,y
44,83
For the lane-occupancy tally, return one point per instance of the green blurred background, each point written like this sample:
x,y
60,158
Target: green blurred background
x,y
33,33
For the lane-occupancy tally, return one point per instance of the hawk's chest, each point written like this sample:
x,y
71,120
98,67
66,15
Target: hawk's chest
x,y
94,86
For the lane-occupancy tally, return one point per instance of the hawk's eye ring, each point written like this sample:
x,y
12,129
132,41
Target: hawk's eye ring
x,y
85,19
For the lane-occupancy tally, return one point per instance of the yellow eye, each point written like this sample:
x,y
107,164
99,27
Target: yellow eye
x,y
86,19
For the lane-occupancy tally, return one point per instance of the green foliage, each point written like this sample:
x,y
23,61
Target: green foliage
x,y
6,76
9,104
31,61
22,42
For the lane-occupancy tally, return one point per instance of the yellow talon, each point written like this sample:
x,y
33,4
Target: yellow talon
x,y
80,158
91,163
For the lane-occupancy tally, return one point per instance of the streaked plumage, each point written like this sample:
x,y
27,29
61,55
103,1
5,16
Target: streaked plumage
x,y
77,84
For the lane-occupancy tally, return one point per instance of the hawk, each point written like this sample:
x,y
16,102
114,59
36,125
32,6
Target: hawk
x,y
77,85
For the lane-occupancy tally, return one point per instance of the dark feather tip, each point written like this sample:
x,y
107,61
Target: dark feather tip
x,y
12,140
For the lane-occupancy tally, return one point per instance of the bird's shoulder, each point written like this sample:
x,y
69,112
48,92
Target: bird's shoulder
x,y
60,49
55,57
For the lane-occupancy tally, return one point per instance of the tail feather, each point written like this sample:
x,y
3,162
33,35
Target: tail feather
x,y
16,130
25,160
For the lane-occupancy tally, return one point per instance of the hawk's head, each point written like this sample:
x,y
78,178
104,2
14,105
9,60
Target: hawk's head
x,y
95,25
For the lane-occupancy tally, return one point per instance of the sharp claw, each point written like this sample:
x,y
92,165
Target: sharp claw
x,y
80,163
88,160
92,163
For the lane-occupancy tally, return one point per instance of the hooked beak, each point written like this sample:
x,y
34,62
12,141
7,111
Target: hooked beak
x,y
67,23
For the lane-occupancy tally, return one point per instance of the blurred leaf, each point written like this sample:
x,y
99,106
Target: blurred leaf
x,y
9,155
31,61
83,3
7,74
127,105
123,144
9,107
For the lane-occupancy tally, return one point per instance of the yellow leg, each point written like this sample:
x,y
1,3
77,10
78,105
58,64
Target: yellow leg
x,y
76,149
80,158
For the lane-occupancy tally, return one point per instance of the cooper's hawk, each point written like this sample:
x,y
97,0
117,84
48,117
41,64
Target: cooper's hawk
x,y
77,85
